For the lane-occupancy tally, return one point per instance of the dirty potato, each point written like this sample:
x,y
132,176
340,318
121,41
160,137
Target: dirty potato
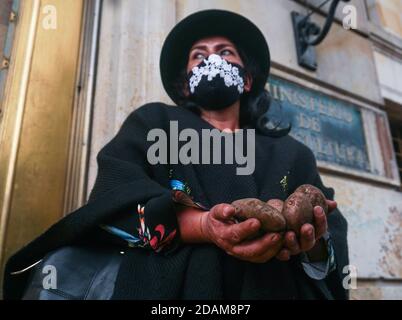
x,y
276,203
270,218
297,211
315,196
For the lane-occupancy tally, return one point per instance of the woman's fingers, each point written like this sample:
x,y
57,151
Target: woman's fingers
x,y
308,234
307,237
222,211
260,249
291,243
236,233
332,205
283,255
320,222
233,237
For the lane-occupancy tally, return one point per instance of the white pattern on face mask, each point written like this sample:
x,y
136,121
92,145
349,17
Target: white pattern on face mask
x,y
215,65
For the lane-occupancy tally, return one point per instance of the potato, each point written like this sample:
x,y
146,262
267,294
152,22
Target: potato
x,y
276,215
270,218
315,196
276,203
297,211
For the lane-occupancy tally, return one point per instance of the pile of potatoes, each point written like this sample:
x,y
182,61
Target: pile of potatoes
x,y
276,215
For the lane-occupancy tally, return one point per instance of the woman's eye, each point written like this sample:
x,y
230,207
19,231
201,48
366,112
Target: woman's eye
x,y
199,56
226,52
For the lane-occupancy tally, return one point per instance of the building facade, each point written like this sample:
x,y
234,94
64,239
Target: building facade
x,y
72,71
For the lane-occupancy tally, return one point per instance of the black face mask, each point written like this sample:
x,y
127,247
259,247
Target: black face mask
x,y
215,83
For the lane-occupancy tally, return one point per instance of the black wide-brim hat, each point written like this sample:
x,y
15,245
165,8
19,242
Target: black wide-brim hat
x,y
241,31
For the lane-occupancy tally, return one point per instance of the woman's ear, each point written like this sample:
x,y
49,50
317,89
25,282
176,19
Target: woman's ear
x,y
248,83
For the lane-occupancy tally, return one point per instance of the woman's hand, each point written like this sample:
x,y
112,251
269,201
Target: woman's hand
x,y
219,227
309,237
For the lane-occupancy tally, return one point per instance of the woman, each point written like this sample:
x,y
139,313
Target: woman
x,y
165,229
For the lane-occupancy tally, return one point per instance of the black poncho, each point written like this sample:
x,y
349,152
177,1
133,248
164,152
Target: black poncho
x,y
188,271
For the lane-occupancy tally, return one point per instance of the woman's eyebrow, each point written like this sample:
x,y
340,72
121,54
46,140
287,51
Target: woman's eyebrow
x,y
216,47
199,47
223,45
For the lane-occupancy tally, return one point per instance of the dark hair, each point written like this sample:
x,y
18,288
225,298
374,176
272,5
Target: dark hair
x,y
253,107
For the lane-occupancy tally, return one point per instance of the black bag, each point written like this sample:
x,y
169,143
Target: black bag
x,y
75,273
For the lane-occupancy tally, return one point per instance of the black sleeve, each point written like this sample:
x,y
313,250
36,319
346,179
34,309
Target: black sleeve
x,y
337,224
149,221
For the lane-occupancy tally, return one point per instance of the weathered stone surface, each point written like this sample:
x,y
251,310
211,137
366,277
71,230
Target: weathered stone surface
x,y
374,215
389,75
377,290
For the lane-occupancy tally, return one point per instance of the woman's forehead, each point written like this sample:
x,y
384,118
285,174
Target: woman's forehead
x,y
212,41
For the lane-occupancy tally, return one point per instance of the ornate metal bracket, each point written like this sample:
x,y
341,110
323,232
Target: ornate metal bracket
x,y
308,34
